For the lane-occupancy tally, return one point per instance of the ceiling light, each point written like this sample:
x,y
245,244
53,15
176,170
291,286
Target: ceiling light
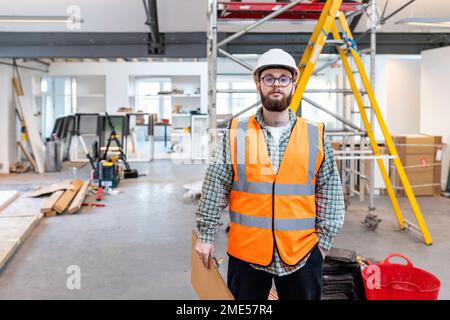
x,y
426,22
39,19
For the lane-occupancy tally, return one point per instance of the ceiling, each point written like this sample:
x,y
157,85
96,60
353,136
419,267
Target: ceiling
x,y
117,29
188,16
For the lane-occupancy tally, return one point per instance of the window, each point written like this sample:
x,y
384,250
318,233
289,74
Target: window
x,y
223,99
243,100
327,100
149,99
232,103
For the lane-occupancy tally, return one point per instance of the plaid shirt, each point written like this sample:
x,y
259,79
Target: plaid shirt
x,y
219,179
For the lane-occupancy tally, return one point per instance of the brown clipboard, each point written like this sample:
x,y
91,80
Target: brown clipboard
x,y
207,283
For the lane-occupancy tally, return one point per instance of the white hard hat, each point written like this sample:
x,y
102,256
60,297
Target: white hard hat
x,y
276,58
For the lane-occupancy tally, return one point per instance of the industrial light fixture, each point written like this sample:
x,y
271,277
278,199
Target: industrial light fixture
x,y
426,22
39,19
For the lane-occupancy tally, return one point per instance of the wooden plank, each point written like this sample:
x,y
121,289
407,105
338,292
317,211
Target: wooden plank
x,y
49,189
76,204
22,206
47,207
65,200
51,213
7,197
27,155
17,86
34,136
208,283
13,232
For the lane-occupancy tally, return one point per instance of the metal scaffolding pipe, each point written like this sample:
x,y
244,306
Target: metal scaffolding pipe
x,y
338,117
364,157
345,133
353,152
235,59
325,65
254,25
225,121
373,48
212,65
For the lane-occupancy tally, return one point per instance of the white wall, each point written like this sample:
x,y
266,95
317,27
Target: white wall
x,y
7,118
435,100
118,74
397,90
403,96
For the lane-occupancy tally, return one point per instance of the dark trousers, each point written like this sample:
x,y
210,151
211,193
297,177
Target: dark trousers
x,y
248,283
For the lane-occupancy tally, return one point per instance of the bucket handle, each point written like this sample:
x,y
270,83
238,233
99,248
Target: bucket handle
x,y
392,255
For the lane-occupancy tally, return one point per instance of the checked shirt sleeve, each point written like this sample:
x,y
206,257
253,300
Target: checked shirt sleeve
x,y
215,191
329,199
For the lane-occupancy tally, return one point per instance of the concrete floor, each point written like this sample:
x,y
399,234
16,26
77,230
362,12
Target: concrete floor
x,y
139,246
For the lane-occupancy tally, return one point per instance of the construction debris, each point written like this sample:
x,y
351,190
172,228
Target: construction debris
x,y
372,221
91,204
75,206
67,196
63,203
40,191
18,167
47,207
7,197
342,276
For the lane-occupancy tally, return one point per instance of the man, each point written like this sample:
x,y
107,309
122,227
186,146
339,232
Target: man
x,y
277,173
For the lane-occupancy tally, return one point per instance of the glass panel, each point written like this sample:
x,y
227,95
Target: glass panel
x,y
223,99
244,100
44,85
148,100
326,100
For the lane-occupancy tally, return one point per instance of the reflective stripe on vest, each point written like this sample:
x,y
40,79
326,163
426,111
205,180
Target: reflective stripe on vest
x,y
266,223
265,187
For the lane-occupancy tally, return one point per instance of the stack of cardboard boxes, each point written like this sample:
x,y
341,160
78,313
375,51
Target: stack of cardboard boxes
x,y
421,157
336,145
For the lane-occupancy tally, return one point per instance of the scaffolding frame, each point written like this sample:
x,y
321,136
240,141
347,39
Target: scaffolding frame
x,y
331,13
277,10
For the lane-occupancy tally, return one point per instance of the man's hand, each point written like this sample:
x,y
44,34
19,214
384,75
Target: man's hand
x,y
205,251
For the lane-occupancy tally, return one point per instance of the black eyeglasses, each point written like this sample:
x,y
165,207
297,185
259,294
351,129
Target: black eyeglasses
x,y
269,80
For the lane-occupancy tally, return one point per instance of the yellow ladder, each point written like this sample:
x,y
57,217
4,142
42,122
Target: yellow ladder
x,y
328,23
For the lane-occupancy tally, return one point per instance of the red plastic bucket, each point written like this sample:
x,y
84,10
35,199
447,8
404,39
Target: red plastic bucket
x,y
393,281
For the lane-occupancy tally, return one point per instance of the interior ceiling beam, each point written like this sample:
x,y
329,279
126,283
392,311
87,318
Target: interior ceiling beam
x,y
151,12
190,45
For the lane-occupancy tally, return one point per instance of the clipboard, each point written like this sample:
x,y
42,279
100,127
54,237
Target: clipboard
x,y
207,283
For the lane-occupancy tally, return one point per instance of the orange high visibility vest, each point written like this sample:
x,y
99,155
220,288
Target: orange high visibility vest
x,y
270,209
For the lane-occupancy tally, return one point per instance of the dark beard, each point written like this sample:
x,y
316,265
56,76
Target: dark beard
x,y
276,105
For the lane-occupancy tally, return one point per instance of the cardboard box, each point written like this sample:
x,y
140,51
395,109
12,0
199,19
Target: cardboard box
x,y
421,158
336,145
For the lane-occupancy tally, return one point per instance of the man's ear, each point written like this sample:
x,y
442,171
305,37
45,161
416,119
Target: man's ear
x,y
258,85
296,81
